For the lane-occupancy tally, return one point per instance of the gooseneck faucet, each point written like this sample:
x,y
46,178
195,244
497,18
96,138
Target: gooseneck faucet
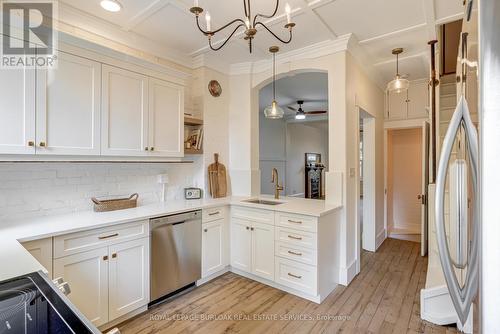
x,y
277,187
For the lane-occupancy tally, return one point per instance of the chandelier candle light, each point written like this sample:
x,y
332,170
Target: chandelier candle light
x,y
248,23
274,111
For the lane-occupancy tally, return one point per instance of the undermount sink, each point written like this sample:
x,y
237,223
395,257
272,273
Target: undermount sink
x,y
262,201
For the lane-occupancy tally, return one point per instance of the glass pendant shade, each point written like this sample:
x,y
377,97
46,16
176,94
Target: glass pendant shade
x,y
398,85
300,115
274,111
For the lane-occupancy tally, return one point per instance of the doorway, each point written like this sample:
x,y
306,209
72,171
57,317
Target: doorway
x,y
404,183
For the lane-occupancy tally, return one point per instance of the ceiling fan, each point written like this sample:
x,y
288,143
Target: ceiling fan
x,y
301,114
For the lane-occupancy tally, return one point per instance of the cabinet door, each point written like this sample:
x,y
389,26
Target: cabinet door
x,y
263,250
124,112
17,111
418,100
166,118
241,238
41,250
87,275
397,105
69,107
128,277
213,247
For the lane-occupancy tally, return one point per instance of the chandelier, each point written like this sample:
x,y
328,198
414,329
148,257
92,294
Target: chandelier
x,y
249,23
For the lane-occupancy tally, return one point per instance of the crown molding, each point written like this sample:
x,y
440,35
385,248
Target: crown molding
x,y
313,51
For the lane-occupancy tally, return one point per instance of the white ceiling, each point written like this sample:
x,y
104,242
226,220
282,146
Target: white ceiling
x,y
379,25
311,87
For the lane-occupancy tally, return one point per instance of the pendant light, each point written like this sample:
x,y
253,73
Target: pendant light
x,y
274,111
300,114
399,84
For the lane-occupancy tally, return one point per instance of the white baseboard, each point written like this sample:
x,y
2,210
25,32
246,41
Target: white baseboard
x,y
347,274
380,238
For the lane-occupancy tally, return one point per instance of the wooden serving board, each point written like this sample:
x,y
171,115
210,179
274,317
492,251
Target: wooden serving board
x,y
217,178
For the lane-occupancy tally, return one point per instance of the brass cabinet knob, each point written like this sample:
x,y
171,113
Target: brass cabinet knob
x,y
31,143
152,148
105,258
248,228
251,229
205,230
146,149
42,144
114,255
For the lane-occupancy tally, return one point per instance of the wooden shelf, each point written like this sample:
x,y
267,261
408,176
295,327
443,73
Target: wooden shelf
x,y
188,120
192,151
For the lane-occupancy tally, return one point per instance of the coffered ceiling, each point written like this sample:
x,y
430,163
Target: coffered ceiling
x,y
168,28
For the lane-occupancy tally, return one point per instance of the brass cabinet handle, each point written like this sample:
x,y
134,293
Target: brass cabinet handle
x,y
294,221
105,258
214,213
295,276
31,143
293,237
42,144
108,236
114,255
294,253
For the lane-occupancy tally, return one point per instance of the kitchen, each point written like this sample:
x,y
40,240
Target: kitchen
x,y
130,176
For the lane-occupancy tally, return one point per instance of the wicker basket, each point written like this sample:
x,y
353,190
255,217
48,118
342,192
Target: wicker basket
x,y
115,204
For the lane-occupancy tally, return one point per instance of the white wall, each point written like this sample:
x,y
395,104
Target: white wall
x,y
38,189
303,138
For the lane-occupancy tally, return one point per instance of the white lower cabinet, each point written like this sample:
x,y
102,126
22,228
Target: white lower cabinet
x,y
252,247
108,281
41,250
87,274
213,248
128,277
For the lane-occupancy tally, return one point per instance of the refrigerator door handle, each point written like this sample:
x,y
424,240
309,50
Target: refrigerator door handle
x,y
461,296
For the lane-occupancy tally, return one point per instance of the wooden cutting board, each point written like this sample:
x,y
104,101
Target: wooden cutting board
x,y
217,180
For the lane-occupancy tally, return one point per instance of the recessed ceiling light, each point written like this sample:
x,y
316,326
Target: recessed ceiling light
x,y
111,5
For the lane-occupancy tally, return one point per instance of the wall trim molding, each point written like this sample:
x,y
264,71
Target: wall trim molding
x,y
381,236
348,273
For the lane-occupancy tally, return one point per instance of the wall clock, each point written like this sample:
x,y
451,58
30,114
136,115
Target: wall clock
x,y
214,88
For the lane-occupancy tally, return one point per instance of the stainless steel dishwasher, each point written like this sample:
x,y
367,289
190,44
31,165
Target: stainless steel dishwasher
x,y
175,253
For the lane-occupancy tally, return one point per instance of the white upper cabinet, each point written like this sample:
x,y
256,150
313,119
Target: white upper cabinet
x,y
69,107
166,118
124,112
418,100
397,105
408,105
17,111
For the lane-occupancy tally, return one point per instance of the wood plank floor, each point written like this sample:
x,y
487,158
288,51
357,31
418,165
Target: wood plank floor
x,y
383,298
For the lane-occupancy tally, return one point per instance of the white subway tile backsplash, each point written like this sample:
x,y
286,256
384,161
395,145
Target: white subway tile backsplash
x,y
38,189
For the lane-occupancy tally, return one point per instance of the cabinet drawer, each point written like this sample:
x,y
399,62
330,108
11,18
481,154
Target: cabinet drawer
x,y
296,238
296,253
211,214
82,241
299,222
255,215
296,275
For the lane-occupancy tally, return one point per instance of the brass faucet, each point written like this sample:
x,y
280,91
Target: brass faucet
x,y
277,188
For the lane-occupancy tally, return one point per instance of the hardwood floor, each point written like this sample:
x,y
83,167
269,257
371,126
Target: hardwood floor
x,y
383,298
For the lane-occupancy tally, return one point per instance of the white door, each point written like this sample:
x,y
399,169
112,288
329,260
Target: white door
x,y
69,107
241,238
397,105
17,111
124,112
425,185
213,246
166,118
87,275
128,277
418,98
263,250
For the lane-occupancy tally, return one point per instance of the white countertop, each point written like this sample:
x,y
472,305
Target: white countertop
x,y
16,261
